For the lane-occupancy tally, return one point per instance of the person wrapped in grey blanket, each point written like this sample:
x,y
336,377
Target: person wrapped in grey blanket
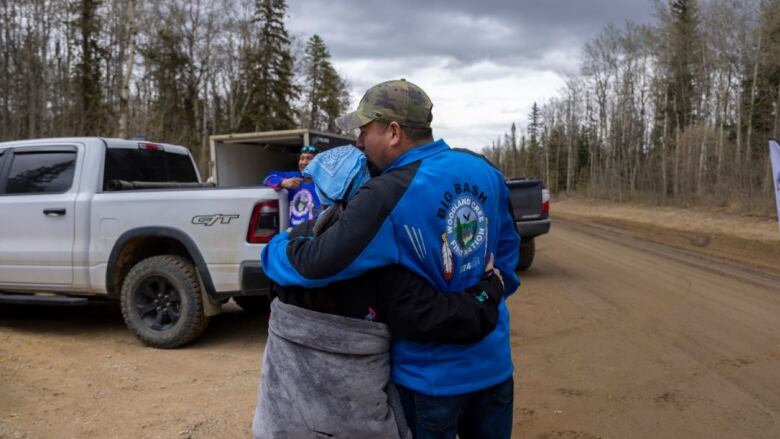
x,y
326,364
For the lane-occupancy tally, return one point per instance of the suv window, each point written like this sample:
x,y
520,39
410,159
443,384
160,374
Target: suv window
x,y
148,165
40,172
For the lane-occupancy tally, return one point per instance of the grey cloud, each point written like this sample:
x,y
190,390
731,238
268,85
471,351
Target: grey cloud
x,y
467,39
507,32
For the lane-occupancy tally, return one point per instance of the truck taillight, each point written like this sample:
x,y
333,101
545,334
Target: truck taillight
x,y
150,147
545,201
264,223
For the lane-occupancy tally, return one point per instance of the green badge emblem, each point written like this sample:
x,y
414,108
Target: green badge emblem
x,y
466,226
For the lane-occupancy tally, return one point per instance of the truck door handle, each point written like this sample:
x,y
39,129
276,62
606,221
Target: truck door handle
x,y
54,212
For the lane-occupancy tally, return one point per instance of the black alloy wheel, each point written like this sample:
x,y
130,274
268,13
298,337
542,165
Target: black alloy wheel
x,y
162,303
157,303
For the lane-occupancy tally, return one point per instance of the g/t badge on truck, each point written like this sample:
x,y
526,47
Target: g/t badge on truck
x,y
210,220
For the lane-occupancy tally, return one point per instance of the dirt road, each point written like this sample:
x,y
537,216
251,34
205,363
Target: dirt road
x,y
617,338
612,338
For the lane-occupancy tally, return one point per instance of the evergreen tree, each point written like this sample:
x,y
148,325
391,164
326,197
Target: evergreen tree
x,y
88,86
513,147
336,98
167,62
326,97
533,151
680,59
683,62
316,55
268,90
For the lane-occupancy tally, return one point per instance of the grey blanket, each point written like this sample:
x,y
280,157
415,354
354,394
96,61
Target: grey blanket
x,y
326,376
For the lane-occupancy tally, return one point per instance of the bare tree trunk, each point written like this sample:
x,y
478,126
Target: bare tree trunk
x,y
204,134
702,168
205,153
31,88
591,144
753,87
775,127
768,184
676,161
46,73
66,124
664,146
738,152
722,115
5,68
124,92
570,158
702,164
513,140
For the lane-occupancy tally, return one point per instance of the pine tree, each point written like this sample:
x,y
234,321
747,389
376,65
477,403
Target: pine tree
x,y
326,97
166,71
533,153
268,89
513,146
316,55
681,63
88,97
336,98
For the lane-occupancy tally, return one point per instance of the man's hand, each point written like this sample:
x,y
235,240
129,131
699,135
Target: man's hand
x,y
291,183
496,271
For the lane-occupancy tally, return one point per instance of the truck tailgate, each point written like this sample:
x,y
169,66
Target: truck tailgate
x,y
526,198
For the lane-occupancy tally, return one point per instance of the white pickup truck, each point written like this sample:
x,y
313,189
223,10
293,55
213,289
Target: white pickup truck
x,y
130,220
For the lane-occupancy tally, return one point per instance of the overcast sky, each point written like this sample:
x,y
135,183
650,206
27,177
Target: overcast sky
x,y
482,62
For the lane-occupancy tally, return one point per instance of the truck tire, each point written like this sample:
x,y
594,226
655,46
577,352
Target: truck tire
x,y
527,250
161,302
253,304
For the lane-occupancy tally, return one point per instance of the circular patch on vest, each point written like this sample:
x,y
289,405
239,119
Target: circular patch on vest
x,y
466,226
302,203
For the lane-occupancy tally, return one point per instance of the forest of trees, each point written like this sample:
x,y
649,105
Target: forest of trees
x,y
174,71
679,111
676,111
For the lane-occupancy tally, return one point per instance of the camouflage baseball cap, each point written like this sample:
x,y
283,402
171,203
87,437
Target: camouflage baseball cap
x,y
392,101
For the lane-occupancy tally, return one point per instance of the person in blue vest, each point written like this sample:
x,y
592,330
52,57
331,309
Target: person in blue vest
x,y
439,212
304,204
326,365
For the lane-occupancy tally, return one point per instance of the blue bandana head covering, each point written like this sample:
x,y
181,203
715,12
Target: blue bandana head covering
x,y
338,173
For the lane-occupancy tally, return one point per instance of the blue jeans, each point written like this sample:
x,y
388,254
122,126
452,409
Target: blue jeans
x,y
484,414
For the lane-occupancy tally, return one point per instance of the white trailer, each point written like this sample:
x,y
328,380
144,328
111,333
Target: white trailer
x,y
244,159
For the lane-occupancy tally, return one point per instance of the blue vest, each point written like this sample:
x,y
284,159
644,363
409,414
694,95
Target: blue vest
x,y
303,202
453,215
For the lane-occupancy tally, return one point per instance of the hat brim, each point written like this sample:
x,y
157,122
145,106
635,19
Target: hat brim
x,y
352,121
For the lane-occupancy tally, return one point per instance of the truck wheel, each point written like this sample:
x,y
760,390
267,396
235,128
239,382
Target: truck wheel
x,y
161,302
527,249
253,304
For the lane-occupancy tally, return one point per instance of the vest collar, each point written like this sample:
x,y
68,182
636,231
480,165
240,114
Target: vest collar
x,y
418,153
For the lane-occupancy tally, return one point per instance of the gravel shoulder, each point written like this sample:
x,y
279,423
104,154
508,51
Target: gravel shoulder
x,y
750,240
